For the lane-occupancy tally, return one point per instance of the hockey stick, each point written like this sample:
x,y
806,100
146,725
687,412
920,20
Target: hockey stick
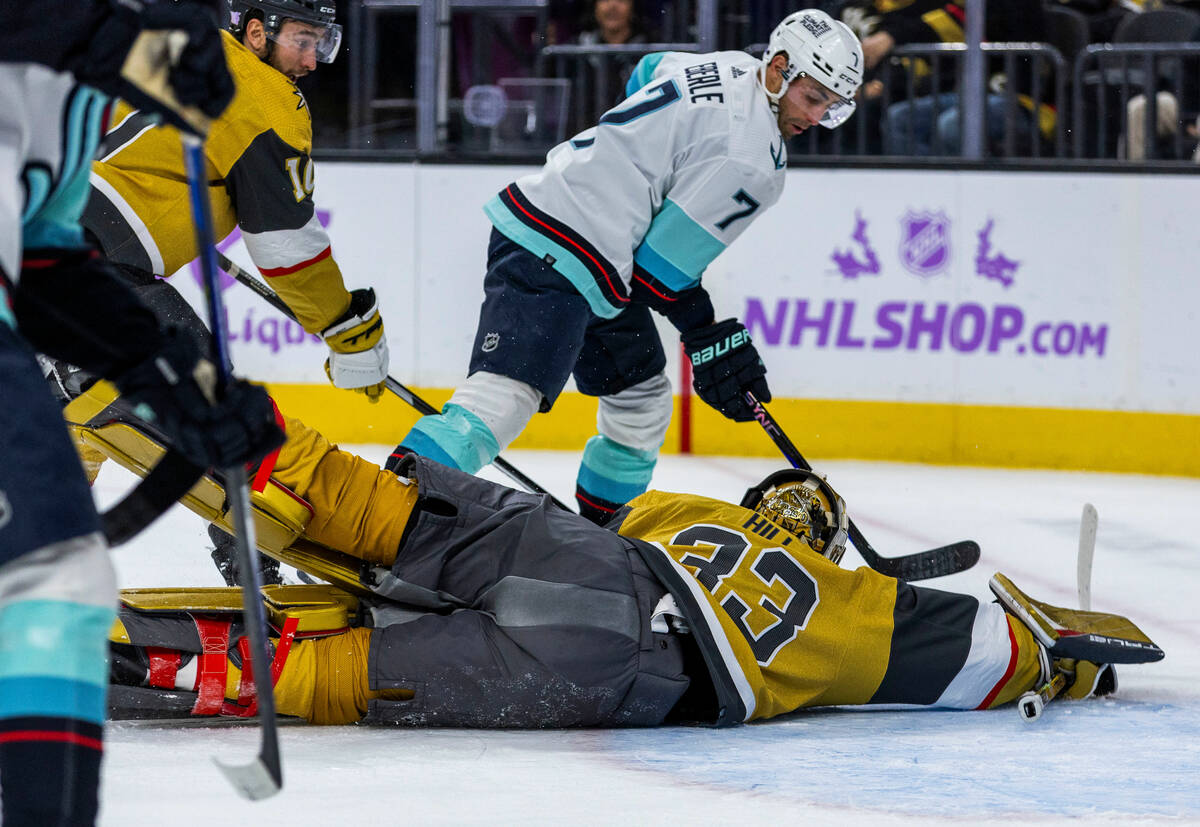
x,y
1032,703
1088,522
922,565
422,407
263,777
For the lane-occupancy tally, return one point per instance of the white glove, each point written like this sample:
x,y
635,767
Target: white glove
x,y
358,350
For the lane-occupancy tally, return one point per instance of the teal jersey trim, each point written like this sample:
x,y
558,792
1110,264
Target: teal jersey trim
x,y
565,262
52,213
54,659
6,314
615,472
643,73
676,250
455,437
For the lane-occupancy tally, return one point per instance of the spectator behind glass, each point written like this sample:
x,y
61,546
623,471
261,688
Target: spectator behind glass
x,y
911,127
612,23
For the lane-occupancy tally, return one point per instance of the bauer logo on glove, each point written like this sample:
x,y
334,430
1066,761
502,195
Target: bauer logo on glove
x,y
725,366
358,351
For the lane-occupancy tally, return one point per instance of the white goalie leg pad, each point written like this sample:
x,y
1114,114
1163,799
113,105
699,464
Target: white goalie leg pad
x,y
504,405
991,653
638,416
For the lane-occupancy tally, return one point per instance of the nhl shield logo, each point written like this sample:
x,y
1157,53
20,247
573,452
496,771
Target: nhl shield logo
x,y
924,242
490,341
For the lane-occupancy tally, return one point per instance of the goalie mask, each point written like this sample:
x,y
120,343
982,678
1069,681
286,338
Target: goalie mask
x,y
805,505
824,49
319,14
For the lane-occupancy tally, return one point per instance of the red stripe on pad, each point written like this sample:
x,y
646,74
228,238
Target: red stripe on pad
x,y
164,666
247,699
210,677
263,474
1008,673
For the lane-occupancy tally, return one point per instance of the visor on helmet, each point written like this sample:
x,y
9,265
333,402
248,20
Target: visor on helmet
x,y
838,113
322,39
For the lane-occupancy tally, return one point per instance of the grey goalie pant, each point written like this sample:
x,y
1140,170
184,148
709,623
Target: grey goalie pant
x,y
520,614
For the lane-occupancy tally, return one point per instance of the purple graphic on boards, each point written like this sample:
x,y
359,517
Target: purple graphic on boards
x,y
998,267
847,263
924,242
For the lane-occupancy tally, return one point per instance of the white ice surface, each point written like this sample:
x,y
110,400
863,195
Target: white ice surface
x,y
1129,759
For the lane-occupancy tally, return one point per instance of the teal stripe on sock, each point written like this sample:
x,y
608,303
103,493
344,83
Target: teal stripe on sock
x,y
455,437
55,639
613,471
53,698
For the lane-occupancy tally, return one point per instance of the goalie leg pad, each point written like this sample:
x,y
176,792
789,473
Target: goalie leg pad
x,y
1073,633
179,652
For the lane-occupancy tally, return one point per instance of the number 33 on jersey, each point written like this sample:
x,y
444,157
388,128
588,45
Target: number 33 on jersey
x,y
775,616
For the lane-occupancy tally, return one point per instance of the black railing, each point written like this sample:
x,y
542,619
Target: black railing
x,y
1109,77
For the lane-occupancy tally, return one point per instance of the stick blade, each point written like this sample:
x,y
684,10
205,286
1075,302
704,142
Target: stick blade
x,y
1088,523
924,565
254,781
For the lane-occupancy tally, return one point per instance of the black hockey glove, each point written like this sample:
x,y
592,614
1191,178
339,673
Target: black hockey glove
x,y
724,366
198,76
174,389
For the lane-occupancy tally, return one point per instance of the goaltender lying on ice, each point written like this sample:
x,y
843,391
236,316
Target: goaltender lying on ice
x,y
458,602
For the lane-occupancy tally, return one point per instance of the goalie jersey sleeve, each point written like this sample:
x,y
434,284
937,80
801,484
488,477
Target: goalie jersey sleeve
x,y
656,190
261,179
780,627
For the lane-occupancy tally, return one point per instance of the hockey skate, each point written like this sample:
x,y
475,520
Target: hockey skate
x,y
225,556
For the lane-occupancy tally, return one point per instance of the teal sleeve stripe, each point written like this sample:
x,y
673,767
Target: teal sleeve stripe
x,y
53,698
55,639
676,249
459,435
565,263
613,471
6,314
643,72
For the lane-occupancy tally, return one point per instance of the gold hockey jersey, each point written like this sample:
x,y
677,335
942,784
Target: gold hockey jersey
x,y
781,627
261,179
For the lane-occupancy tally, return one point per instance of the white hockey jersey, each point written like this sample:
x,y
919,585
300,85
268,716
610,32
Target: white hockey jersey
x,y
655,191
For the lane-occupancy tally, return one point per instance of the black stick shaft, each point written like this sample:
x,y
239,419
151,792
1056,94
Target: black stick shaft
x,y
265,777
793,455
406,394
935,562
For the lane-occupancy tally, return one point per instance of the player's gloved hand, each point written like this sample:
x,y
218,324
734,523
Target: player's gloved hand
x,y
724,366
358,350
175,390
197,73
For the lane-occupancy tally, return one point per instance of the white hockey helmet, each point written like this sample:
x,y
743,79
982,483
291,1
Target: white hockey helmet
x,y
824,49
